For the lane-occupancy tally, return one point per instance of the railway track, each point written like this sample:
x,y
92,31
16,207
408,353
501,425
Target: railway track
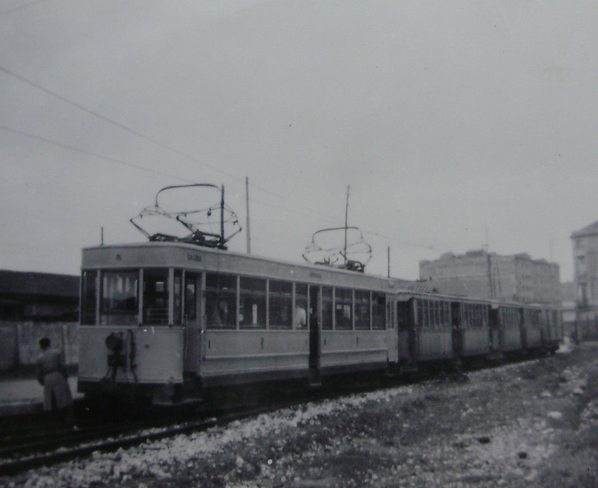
x,y
61,445
23,449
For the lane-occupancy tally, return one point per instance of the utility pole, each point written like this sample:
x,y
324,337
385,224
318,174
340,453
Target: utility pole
x,y
346,221
388,259
490,287
221,243
247,205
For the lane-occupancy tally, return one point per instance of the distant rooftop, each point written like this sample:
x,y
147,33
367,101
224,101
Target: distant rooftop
x,y
590,230
40,284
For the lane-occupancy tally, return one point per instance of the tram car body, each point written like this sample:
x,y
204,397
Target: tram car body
x,y
434,327
170,321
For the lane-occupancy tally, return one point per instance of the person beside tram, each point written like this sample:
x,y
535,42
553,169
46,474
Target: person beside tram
x,y
52,375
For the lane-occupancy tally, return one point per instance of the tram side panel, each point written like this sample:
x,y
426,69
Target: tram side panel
x,y
511,329
533,329
475,327
433,327
354,331
239,356
148,355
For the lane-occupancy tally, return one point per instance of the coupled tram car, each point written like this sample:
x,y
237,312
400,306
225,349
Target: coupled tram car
x,y
172,320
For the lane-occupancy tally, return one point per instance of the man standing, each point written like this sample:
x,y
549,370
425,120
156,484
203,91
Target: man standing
x,y
51,374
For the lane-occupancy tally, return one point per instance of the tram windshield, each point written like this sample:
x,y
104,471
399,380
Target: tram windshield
x,y
112,297
119,302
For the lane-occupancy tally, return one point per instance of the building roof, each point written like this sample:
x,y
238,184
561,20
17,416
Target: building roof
x,y
41,284
590,230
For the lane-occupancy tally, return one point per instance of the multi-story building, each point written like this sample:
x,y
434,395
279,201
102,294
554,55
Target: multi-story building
x,y
481,274
585,259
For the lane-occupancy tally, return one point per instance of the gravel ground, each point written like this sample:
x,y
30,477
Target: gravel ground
x,y
526,424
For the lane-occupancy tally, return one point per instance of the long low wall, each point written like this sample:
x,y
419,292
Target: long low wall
x,y
19,342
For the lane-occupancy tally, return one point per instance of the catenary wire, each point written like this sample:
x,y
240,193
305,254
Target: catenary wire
x,y
139,134
162,145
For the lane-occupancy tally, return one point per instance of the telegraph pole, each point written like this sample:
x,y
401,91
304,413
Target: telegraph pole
x,y
247,205
490,287
346,222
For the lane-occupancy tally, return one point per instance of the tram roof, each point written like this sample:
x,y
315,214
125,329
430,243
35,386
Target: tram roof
x,y
139,254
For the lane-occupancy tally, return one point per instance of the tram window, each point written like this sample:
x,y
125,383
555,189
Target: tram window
x,y
88,297
178,296
119,300
427,314
280,298
343,307
221,301
155,297
378,311
510,317
300,310
252,312
190,300
326,308
466,315
362,310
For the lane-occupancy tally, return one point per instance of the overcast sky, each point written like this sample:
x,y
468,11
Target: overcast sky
x,y
451,122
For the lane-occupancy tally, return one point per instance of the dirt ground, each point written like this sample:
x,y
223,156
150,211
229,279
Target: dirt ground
x,y
527,424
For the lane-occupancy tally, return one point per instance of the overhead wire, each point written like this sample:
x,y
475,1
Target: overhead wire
x,y
143,136
21,7
89,153
136,166
163,146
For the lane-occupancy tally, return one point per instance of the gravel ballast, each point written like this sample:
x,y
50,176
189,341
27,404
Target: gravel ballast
x,y
527,424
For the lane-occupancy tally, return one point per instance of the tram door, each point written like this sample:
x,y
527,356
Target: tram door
x,y
191,322
315,316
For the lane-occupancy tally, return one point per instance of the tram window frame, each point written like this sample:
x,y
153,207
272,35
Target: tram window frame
x,y
221,301
327,308
177,298
89,297
280,304
113,314
253,298
191,287
362,310
343,309
378,306
301,306
156,296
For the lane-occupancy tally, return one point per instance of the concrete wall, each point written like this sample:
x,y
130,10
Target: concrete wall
x,y
19,342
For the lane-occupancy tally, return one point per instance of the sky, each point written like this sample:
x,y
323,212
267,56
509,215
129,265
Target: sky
x,y
450,125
